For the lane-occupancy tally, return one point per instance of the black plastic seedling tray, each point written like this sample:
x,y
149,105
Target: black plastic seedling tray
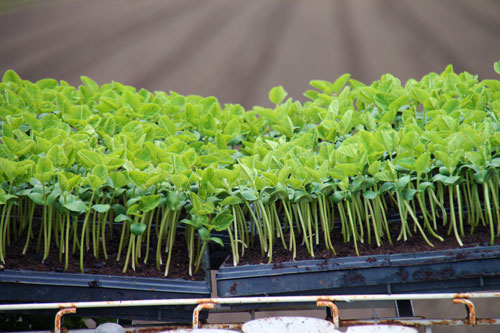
x,y
456,270
41,287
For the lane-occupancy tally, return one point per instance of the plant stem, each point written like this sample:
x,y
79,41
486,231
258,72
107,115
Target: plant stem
x,y
84,227
453,219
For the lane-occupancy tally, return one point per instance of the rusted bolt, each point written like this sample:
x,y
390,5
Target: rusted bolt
x,y
471,309
197,310
333,308
59,316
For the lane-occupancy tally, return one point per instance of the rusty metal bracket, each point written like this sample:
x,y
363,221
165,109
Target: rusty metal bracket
x,y
197,310
471,309
333,308
59,315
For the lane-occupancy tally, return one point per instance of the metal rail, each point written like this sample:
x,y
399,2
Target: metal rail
x,y
322,301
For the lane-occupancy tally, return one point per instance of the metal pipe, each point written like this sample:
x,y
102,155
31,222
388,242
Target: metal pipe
x,y
58,320
334,309
419,322
471,309
197,310
245,300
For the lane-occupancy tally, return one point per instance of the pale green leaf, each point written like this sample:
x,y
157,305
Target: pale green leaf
x,y
277,95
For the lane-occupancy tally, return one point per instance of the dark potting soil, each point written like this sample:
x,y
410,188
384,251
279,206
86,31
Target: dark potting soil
x,y
416,243
179,264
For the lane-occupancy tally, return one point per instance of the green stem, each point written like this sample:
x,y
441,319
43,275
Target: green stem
x,y
453,219
130,251
495,204
199,256
353,228
292,246
257,224
171,239
149,224
30,227
369,212
66,254
84,228
161,233
270,229
487,207
417,224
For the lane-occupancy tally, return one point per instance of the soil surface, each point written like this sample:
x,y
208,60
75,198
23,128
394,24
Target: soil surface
x,y
416,243
179,265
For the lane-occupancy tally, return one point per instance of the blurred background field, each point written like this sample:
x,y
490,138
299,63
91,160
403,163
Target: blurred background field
x,y
237,50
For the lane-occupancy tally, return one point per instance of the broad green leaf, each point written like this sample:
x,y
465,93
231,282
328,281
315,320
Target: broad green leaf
x,y
447,180
410,140
133,210
149,110
422,162
340,82
370,194
11,76
94,182
195,223
216,240
204,234
89,83
222,221
196,202
475,158
44,170
131,99
8,168
49,84
76,206
118,178
425,185
337,196
374,168
386,187
419,94
119,209
109,126
479,177
44,166
497,67
172,200
138,228
402,182
323,86
179,180
277,95
52,197
101,172
444,158
249,195
139,178
57,156
167,124
101,208
37,198
383,100
3,198
150,202
408,194
89,158
122,218
231,200
233,127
